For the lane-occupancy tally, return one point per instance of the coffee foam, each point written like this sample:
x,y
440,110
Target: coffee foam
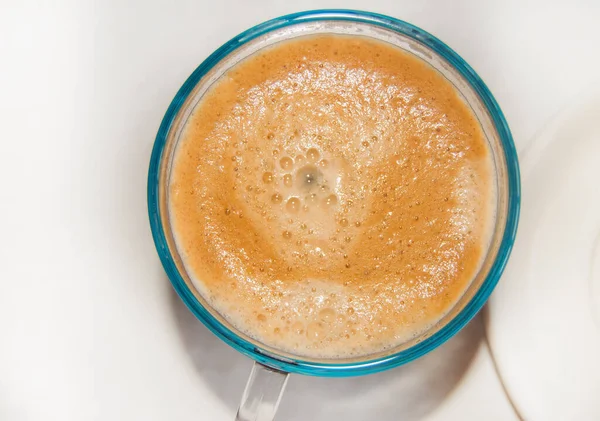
x,y
332,196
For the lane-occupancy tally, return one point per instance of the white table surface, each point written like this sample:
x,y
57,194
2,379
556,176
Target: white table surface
x,y
89,326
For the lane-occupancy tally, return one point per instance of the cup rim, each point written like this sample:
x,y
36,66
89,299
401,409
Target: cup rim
x,y
367,366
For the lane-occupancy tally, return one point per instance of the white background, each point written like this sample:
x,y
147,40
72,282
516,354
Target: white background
x,y
89,326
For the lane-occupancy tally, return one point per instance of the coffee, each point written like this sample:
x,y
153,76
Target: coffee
x,y
332,196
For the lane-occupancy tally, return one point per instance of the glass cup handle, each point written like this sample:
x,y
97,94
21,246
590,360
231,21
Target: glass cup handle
x,y
262,394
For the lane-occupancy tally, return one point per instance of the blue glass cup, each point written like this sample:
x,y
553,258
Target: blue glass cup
x,y
272,366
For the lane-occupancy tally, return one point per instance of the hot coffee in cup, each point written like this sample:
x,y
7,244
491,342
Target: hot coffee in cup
x,y
332,193
332,196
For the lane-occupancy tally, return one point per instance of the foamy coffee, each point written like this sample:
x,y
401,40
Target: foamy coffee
x,y
332,196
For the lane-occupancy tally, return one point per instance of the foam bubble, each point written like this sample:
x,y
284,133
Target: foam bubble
x,y
309,176
267,177
312,155
276,198
330,200
293,205
286,163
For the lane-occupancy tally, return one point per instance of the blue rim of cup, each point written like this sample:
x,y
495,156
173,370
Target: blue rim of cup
x,y
361,367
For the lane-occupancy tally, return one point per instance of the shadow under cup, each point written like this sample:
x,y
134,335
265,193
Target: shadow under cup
x,y
410,39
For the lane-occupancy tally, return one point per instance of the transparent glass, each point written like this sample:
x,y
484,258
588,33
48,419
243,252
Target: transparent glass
x,y
262,394
412,40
